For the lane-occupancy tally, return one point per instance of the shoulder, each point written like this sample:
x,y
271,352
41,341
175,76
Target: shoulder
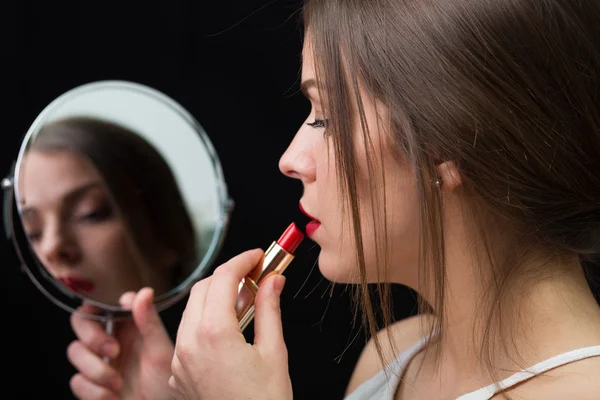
x,y
394,339
579,380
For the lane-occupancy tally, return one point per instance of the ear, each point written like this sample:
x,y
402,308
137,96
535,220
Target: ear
x,y
449,175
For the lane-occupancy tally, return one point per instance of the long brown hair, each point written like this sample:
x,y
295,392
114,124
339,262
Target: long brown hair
x,y
508,90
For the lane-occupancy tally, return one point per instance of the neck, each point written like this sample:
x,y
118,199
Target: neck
x,y
543,315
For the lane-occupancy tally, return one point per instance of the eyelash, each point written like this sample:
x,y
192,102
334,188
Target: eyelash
x,y
99,215
317,123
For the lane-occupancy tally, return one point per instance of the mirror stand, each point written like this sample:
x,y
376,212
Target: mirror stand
x,y
109,327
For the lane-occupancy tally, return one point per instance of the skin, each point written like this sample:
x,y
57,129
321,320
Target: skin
x,y
310,159
559,312
548,306
74,226
140,354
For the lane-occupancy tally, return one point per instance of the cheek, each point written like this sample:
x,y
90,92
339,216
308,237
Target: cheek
x,y
328,201
394,209
106,245
402,222
336,257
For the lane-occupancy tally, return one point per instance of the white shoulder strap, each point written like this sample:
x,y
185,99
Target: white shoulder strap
x,y
487,392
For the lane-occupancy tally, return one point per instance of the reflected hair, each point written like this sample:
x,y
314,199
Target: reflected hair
x,y
509,91
139,180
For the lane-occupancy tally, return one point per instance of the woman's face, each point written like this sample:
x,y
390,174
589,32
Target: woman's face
x,y
74,228
310,158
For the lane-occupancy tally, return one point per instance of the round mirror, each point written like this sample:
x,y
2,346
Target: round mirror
x,y
116,187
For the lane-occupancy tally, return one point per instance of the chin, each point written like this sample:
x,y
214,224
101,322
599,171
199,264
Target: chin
x,y
343,268
338,269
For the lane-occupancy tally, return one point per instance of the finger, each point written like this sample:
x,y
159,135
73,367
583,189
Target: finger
x,y
268,330
87,308
174,387
126,300
192,314
92,367
147,320
172,383
176,370
82,388
220,307
92,335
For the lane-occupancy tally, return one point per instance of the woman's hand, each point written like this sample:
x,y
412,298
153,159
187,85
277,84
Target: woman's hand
x,y
140,353
212,359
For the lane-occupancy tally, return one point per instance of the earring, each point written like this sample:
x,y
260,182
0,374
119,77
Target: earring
x,y
438,182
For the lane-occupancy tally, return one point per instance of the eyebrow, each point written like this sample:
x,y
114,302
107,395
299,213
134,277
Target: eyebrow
x,y
71,196
306,85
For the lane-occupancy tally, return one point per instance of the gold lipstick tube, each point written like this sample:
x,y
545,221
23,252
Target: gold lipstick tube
x,y
275,261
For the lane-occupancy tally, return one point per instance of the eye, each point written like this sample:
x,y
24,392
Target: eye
x,y
34,236
317,123
98,215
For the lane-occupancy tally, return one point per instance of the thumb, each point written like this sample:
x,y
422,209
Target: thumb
x,y
147,320
268,330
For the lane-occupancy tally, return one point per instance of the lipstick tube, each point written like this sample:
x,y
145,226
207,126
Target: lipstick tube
x,y
275,261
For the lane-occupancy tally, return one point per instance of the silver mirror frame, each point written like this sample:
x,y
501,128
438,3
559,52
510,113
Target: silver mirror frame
x,y
225,209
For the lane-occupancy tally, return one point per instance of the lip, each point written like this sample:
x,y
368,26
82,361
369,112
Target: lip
x,y
77,284
307,214
311,228
313,225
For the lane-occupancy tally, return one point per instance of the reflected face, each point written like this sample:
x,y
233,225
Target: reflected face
x,y
310,158
75,228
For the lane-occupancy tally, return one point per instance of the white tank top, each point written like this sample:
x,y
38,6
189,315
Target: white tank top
x,y
383,387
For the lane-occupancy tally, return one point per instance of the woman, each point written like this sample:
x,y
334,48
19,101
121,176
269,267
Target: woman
x,y
96,215
464,140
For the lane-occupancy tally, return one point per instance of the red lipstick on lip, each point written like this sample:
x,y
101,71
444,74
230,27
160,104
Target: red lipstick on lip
x,y
78,284
275,261
305,213
313,225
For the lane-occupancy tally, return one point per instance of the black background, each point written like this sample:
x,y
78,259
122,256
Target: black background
x,y
235,66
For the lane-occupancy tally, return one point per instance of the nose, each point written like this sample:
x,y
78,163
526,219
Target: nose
x,y
298,160
57,249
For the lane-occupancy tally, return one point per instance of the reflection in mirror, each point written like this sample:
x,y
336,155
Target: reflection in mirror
x,y
116,188
103,211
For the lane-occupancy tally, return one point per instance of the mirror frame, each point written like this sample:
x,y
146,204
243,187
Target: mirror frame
x,y
12,212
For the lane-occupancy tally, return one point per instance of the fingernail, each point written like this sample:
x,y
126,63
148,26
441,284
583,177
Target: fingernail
x,y
110,349
279,284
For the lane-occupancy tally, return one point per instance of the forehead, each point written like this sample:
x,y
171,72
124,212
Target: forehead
x,y
308,67
52,174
